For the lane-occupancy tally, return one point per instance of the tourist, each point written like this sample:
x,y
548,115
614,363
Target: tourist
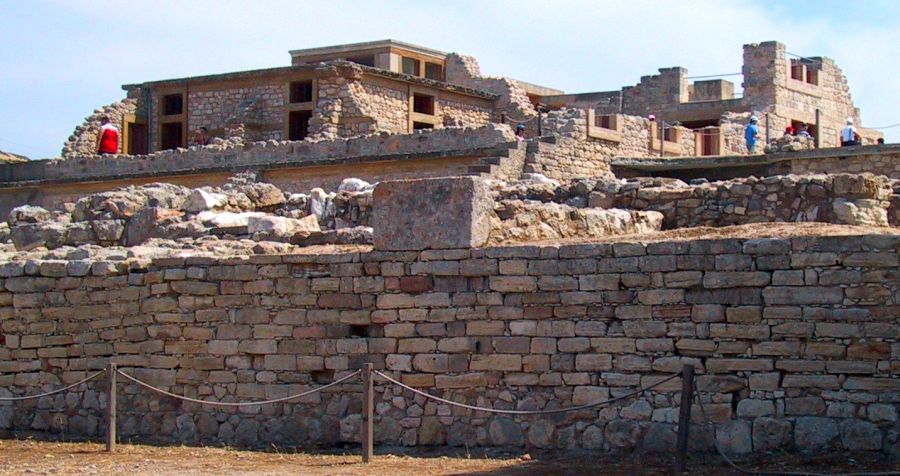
x,y
849,136
520,132
803,131
751,134
789,131
202,137
108,139
880,140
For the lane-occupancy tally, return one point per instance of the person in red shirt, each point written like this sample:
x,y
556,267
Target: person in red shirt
x,y
108,142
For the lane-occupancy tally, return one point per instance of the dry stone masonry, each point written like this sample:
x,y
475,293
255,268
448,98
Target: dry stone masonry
x,y
795,342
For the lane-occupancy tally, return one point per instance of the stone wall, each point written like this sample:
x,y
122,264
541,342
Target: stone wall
x,y
795,342
295,166
887,164
512,100
258,107
83,140
576,154
840,198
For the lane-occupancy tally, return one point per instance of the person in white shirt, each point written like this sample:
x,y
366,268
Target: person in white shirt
x,y
849,136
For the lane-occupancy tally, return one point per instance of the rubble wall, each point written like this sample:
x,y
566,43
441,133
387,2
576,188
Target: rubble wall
x,y
84,139
259,107
795,341
576,154
879,163
447,151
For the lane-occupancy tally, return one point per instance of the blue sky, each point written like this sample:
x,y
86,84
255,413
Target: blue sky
x,y
62,59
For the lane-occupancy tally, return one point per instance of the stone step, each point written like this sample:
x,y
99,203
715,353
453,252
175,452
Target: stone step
x,y
484,168
491,160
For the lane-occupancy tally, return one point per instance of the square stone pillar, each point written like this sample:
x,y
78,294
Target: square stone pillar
x,y
434,213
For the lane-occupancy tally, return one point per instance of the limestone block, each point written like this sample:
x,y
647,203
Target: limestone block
x,y
436,213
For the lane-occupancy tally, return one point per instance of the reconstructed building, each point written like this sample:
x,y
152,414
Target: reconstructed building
x,y
395,87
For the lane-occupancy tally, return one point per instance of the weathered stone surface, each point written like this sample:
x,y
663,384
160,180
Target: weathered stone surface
x,y
772,434
431,214
816,433
505,432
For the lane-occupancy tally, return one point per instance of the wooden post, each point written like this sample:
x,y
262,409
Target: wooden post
x,y
684,417
818,129
768,128
368,423
111,407
662,136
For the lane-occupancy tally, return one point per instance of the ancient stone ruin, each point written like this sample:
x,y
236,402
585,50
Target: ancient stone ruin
x,y
372,204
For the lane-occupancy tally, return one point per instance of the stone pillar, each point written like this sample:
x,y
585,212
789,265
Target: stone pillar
x,y
436,213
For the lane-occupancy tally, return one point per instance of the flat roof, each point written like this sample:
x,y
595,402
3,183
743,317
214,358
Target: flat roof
x,y
311,67
350,47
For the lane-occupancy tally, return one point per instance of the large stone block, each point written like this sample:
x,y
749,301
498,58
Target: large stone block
x,y
451,212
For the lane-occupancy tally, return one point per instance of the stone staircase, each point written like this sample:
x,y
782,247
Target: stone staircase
x,y
517,158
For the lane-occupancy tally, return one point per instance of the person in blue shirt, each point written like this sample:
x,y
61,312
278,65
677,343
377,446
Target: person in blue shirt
x,y
751,134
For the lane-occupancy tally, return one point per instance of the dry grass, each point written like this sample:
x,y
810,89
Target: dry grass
x,y
33,457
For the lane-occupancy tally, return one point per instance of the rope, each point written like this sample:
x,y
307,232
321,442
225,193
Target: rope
x,y
881,127
29,397
714,75
239,404
525,412
741,469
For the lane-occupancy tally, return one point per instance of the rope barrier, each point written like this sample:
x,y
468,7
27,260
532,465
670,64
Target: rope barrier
x,y
741,469
525,412
47,394
714,75
238,404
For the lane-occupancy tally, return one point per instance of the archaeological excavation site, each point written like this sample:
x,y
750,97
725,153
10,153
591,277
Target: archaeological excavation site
x,y
380,245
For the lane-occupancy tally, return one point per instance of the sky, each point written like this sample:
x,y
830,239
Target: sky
x,y
60,60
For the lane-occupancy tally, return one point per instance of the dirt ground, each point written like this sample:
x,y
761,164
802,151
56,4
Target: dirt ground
x,y
34,457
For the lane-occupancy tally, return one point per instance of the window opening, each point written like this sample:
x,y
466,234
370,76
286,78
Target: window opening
x,y
410,66
423,104
301,91
173,104
298,124
434,71
171,135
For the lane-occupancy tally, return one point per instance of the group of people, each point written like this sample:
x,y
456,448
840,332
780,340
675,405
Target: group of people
x,y
108,138
849,135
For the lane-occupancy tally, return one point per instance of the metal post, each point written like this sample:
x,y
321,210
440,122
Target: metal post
x,y
818,129
684,417
111,407
368,422
662,136
768,128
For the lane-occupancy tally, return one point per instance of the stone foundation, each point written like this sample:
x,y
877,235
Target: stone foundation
x,y
795,341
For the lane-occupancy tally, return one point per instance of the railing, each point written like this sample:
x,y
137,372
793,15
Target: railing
x,y
367,429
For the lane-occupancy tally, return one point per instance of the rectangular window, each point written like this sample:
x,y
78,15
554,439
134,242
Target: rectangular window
x,y
812,76
301,91
797,72
137,139
606,121
298,124
670,134
172,104
171,133
363,60
410,66
434,71
422,125
423,104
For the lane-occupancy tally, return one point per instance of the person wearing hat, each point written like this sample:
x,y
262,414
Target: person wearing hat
x,y
849,136
751,133
520,132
